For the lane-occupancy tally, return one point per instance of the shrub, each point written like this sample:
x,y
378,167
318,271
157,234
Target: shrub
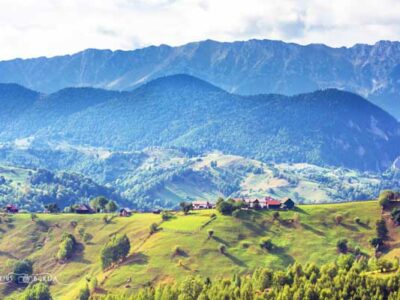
x,y
222,248
153,228
165,216
210,233
381,230
225,208
245,244
21,268
37,291
357,220
338,219
84,293
275,215
342,245
266,243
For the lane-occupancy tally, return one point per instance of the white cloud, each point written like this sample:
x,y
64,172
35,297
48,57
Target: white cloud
x,y
51,27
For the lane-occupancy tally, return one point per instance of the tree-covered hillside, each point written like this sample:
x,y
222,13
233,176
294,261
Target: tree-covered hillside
x,y
326,127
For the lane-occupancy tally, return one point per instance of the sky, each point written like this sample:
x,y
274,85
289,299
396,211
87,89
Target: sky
x,y
31,28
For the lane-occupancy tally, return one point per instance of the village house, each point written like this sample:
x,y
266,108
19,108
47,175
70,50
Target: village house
x,y
84,209
201,205
125,212
11,209
272,203
288,203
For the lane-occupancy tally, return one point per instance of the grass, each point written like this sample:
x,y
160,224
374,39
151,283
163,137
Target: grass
x,y
153,258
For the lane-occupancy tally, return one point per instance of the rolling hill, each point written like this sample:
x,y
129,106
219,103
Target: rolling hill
x,y
249,67
311,238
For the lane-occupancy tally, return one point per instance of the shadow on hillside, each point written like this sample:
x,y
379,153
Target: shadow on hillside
x,y
78,254
139,259
235,260
254,227
8,255
364,225
300,210
312,229
287,223
349,227
219,240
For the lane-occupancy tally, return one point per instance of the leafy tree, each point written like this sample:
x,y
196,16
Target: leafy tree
x,y
342,245
385,197
210,233
111,206
381,230
52,208
153,228
222,248
99,203
186,207
37,291
267,244
67,247
117,248
21,268
84,293
225,207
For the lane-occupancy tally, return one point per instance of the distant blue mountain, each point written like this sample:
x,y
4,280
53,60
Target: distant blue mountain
x,y
328,127
250,67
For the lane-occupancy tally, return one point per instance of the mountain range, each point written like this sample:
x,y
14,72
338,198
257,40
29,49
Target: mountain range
x,y
248,67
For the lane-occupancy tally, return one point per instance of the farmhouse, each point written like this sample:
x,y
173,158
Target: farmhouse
x,y
84,209
272,204
11,209
202,205
288,203
254,203
125,212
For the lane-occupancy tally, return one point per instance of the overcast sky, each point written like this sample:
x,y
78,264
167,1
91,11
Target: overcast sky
x,y
30,28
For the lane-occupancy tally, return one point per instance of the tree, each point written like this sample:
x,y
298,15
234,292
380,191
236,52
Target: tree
x,y
115,249
52,208
84,293
210,233
153,228
111,206
22,268
267,244
341,245
37,291
381,230
186,207
98,203
67,247
225,208
222,248
276,215
376,242
385,197
338,219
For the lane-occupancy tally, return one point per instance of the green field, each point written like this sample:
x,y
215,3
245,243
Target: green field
x,y
311,237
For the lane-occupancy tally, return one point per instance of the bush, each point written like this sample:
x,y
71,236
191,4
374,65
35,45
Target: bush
x,y
37,291
117,248
84,293
341,245
266,243
210,233
153,228
357,220
21,268
222,248
165,216
338,219
276,215
245,244
225,208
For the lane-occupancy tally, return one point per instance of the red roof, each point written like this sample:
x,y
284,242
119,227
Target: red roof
x,y
272,202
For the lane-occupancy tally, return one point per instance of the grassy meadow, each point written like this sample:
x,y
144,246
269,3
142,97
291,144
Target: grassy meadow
x,y
307,234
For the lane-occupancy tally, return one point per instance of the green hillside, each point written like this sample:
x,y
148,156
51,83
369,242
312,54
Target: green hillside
x,y
308,234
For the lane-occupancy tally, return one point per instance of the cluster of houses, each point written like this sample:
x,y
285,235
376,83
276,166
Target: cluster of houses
x,y
266,203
